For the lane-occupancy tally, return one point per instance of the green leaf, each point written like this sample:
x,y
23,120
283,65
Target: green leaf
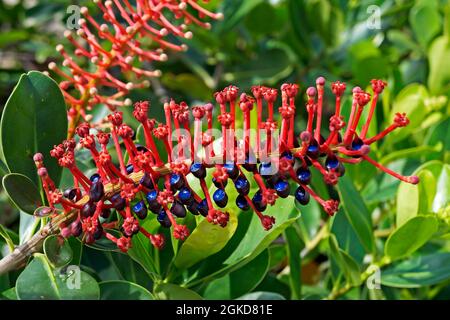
x,y
9,294
418,271
4,234
39,281
240,281
34,119
293,248
235,11
439,61
170,291
142,251
22,192
58,251
123,290
262,295
27,227
410,236
205,240
347,265
426,21
357,213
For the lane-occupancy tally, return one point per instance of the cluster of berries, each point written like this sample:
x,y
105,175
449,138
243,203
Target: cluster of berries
x,y
146,183
119,43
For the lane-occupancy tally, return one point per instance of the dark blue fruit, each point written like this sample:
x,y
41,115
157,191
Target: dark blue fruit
x,y
198,170
257,201
178,210
153,204
232,170
118,202
301,195
304,175
242,203
185,196
242,185
163,219
97,191
220,198
140,209
282,188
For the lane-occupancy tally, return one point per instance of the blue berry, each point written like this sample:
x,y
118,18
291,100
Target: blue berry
x,y
178,210
313,149
129,168
220,198
301,195
219,185
242,203
304,175
88,209
331,162
95,177
357,143
70,193
118,202
282,188
198,170
97,191
242,185
140,209
185,196
257,201
265,169
202,208
146,181
163,219
176,181
153,204
193,207
232,170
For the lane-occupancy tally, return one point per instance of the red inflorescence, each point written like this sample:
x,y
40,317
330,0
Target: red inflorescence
x,y
128,28
148,183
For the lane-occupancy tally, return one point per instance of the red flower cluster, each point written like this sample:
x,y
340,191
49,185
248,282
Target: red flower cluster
x,y
128,28
148,183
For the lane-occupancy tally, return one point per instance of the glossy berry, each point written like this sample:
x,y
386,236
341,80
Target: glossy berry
x,y
232,170
202,207
266,170
118,202
218,184
242,203
198,170
76,228
301,195
163,219
304,175
185,195
242,185
129,169
357,143
248,165
332,163
258,201
95,177
178,209
176,181
140,209
220,198
152,201
313,149
97,191
146,181
88,209
193,208
282,188
98,232
70,193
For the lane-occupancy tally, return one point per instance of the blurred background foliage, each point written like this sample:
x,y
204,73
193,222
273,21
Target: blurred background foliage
x,y
271,42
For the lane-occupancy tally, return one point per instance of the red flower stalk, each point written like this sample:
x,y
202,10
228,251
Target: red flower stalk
x,y
126,27
124,187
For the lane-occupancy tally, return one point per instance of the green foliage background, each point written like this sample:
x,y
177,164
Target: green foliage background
x,y
385,231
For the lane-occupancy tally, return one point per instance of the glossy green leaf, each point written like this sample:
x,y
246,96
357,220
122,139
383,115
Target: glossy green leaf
x,y
425,21
4,234
27,227
410,236
39,281
34,120
170,291
442,196
418,271
22,192
356,212
293,248
205,240
347,265
123,290
58,251
261,295
439,61
240,281
9,294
